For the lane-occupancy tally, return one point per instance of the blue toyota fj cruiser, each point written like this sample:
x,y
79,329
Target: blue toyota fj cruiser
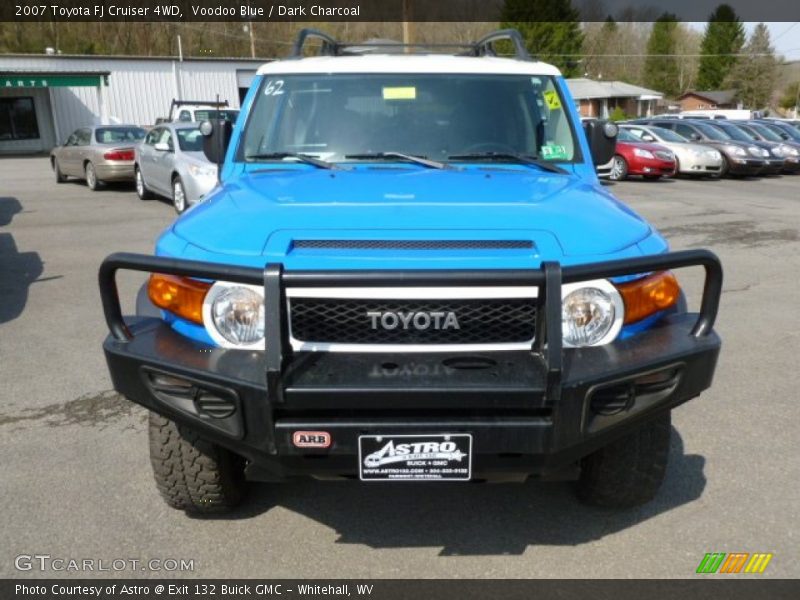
x,y
409,271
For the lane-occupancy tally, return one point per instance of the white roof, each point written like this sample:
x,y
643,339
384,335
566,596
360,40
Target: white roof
x,y
409,63
582,88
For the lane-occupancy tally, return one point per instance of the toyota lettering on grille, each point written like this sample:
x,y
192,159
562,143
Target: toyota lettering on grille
x,y
419,320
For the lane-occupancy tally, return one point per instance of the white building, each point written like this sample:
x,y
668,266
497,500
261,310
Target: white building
x,y
44,98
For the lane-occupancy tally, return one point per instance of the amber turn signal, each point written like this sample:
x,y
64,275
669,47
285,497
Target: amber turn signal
x,y
179,295
649,295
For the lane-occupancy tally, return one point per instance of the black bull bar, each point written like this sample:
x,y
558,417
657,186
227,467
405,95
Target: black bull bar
x,y
275,280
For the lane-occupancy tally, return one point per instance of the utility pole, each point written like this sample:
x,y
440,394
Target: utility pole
x,y
252,40
252,36
408,24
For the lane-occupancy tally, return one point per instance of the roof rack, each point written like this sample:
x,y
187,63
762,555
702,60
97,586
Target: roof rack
x,y
482,47
218,103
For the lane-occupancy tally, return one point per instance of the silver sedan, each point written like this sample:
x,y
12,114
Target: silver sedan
x,y
170,163
692,159
97,154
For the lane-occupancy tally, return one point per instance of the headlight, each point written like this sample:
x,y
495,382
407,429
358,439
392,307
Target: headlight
x,y
642,153
737,151
202,171
713,154
786,150
233,315
591,313
755,151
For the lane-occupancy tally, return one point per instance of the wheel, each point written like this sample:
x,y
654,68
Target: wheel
x,y
178,195
141,188
191,473
629,471
91,177
619,168
60,177
725,167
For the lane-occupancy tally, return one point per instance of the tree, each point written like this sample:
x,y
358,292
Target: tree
x,y
550,29
723,39
756,72
661,66
791,96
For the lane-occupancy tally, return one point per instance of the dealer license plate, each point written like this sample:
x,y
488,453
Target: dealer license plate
x,y
437,457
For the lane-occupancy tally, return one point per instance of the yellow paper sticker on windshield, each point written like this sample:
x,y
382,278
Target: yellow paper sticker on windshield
x,y
399,93
551,98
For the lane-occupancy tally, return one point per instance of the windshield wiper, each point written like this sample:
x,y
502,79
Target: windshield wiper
x,y
525,159
420,160
304,158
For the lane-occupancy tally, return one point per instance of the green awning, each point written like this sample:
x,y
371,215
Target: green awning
x,y
44,80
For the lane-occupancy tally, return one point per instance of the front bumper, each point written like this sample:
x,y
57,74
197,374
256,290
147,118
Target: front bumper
x,y
746,166
699,165
652,167
531,412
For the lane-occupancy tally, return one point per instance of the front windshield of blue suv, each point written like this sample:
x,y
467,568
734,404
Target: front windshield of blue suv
x,y
437,116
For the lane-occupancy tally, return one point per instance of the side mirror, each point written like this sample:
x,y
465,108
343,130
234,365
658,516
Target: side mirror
x,y
602,138
695,137
216,137
648,138
162,147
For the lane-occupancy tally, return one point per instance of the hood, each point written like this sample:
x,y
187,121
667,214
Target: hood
x,y
644,145
267,213
197,158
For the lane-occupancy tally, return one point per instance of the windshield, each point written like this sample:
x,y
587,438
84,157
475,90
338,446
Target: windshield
x,y
118,135
787,130
668,135
430,115
190,140
735,132
751,135
626,136
765,132
712,132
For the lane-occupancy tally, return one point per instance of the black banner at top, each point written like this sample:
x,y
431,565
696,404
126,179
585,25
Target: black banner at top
x,y
385,10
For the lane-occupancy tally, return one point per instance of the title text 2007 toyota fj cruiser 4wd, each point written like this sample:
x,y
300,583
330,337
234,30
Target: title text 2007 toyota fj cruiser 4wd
x,y
410,272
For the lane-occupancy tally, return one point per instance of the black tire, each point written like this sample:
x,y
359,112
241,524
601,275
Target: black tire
x,y
629,471
60,177
619,169
90,174
141,188
191,473
725,167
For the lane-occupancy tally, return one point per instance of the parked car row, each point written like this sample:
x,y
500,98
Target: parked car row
x,y
658,147
167,161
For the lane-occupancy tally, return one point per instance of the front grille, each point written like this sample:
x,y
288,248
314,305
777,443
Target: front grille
x,y
664,155
413,244
346,321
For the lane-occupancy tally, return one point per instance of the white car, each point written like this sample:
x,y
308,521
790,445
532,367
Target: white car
x,y
691,158
170,163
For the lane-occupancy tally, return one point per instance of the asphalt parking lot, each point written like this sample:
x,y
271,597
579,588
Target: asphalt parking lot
x,y
75,479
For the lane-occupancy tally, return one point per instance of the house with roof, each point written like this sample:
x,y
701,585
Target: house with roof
x,y
714,99
595,98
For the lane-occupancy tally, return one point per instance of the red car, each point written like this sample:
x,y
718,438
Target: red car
x,y
634,157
